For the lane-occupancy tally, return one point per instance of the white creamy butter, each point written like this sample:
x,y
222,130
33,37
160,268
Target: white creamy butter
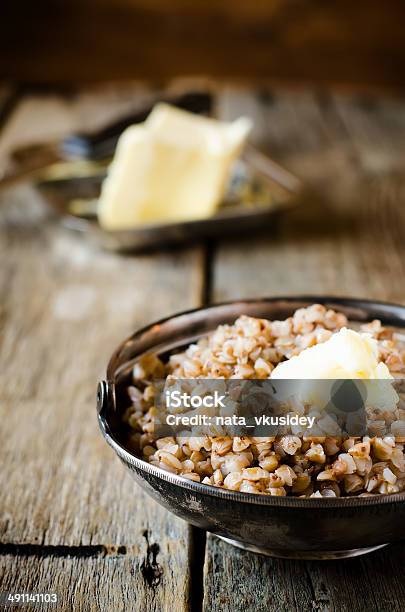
x,y
346,355
173,167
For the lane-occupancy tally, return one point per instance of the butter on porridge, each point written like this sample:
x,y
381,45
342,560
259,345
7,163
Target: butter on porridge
x,y
294,465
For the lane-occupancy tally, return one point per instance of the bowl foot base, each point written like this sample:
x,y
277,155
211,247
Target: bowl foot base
x,y
309,555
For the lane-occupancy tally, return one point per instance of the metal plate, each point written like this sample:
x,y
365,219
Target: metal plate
x,y
257,191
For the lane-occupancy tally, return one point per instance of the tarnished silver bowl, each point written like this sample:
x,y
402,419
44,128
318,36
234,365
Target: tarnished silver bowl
x,y
307,528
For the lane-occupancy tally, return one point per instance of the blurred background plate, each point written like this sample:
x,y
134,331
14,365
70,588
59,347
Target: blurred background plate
x,y
258,189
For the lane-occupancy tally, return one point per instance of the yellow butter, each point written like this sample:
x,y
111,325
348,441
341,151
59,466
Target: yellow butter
x,y
173,167
347,354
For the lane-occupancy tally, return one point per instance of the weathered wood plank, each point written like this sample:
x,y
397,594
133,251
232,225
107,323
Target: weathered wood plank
x,y
238,580
352,254
286,122
375,127
92,583
347,240
64,308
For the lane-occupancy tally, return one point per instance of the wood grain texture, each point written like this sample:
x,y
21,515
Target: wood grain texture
x,y
64,308
238,580
347,237
92,582
357,43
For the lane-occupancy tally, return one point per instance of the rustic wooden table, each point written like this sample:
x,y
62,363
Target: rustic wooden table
x,y
72,521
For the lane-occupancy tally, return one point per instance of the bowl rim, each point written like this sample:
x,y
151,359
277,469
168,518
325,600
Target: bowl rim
x,y
390,308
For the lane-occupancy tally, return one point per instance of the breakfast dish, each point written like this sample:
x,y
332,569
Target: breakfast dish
x,y
295,464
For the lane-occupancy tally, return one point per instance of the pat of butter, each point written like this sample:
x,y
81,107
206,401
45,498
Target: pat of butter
x,y
173,167
347,354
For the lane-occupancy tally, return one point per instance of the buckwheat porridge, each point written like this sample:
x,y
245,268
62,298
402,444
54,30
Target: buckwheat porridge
x,y
293,465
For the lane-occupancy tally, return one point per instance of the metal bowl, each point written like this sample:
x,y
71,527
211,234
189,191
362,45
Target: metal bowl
x,y
309,528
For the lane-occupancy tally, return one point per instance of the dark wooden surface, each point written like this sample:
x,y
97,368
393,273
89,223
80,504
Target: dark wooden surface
x,y
71,520
342,42
240,580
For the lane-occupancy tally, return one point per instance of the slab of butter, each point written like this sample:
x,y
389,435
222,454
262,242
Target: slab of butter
x,y
346,355
173,167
